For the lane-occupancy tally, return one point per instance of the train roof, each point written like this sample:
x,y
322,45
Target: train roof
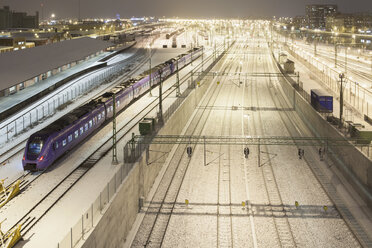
x,y
170,61
70,118
321,92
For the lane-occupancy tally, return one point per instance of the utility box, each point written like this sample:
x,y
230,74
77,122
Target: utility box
x,y
282,58
153,122
361,132
289,66
145,127
174,42
321,101
365,135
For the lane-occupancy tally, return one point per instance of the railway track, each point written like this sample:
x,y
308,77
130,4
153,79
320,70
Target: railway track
x,y
245,132
155,223
279,215
29,178
42,207
140,59
225,236
360,236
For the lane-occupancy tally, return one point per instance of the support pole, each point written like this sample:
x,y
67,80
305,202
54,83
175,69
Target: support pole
x,y
114,152
346,48
335,55
178,92
150,73
205,153
160,99
202,59
341,98
259,153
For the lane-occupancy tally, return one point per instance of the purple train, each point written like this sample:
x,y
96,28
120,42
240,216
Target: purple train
x,y
48,144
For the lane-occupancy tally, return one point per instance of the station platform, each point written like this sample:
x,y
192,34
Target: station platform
x,y
309,81
9,105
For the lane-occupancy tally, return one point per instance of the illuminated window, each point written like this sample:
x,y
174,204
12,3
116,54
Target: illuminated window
x,y
86,127
76,134
69,138
64,142
81,130
90,123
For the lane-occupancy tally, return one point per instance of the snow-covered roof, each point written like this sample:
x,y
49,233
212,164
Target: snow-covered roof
x,y
22,65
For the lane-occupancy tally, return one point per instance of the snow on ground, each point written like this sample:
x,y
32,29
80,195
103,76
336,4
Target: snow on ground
x,y
349,196
13,167
196,225
70,208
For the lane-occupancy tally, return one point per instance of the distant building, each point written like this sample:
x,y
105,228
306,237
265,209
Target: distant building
x,y
363,22
343,23
14,44
299,21
10,19
316,15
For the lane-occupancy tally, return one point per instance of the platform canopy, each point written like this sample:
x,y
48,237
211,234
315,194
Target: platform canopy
x,y
22,65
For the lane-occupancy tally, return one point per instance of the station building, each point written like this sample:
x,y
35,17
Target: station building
x,y
23,68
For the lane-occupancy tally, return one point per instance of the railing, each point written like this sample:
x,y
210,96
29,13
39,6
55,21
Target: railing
x,y
297,86
56,101
91,217
355,94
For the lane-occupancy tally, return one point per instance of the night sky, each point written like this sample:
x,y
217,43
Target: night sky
x,y
181,8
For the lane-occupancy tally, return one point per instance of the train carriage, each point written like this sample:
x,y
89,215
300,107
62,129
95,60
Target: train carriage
x,y
48,144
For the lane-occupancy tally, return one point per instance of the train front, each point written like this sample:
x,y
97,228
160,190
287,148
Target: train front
x,y
36,155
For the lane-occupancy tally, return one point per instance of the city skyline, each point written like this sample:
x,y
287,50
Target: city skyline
x,y
191,8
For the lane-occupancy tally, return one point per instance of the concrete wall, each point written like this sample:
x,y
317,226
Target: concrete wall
x,y
121,214
117,221
355,166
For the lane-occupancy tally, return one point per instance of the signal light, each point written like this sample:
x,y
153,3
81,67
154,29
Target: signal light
x,y
24,158
41,158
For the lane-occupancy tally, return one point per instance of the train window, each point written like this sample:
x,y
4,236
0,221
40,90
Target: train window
x,y
56,145
35,145
76,134
103,114
99,117
90,123
81,130
86,127
69,138
118,103
94,120
64,142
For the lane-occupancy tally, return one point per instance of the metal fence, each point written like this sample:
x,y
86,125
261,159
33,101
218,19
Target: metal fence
x,y
297,87
91,217
355,95
131,153
56,101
